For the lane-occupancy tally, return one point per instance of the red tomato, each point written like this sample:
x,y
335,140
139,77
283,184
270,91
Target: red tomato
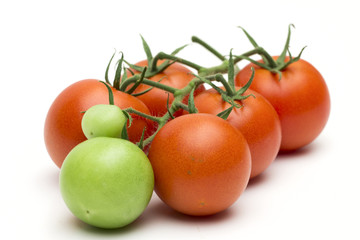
x,y
257,120
63,122
176,76
201,164
301,99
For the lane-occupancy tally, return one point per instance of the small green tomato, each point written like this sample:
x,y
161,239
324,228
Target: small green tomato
x,y
103,121
106,182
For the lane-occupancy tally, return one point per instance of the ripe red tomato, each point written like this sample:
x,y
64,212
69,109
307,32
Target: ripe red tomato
x,y
257,120
63,122
201,164
301,99
176,76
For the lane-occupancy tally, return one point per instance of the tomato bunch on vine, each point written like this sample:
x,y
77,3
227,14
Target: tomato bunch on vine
x,y
204,134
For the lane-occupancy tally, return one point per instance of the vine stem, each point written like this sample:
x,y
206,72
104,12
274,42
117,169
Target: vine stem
x,y
205,74
245,56
111,95
144,115
135,78
162,55
222,68
208,47
203,71
179,95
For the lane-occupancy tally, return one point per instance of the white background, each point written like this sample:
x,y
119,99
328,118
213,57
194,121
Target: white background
x,y
48,45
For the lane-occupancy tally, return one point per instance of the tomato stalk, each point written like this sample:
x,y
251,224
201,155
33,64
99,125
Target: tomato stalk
x,y
107,69
274,66
179,95
152,61
122,82
202,71
136,79
162,55
246,55
111,95
137,83
230,94
208,47
222,68
205,75
208,71
144,115
177,103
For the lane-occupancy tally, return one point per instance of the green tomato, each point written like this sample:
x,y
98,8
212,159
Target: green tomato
x,y
103,120
106,182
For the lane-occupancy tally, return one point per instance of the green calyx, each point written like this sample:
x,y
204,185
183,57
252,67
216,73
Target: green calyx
x,y
229,94
128,84
154,68
269,63
111,95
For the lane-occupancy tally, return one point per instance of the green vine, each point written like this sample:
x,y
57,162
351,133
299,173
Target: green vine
x,y
205,75
274,66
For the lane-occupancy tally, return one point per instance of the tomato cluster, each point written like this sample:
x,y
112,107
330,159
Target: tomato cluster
x,y
203,142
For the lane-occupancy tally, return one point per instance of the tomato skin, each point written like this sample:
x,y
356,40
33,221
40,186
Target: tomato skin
x,y
103,120
177,76
62,130
201,164
257,120
106,182
301,99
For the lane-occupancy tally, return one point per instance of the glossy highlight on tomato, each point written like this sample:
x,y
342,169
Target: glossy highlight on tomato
x,y
201,164
62,130
301,99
